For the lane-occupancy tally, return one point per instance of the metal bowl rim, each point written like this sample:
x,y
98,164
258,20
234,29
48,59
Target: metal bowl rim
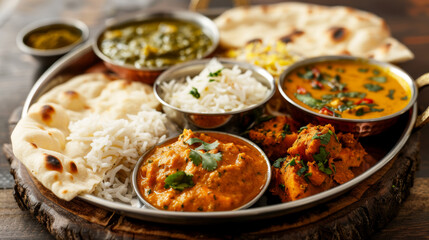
x,y
246,205
164,77
75,23
408,79
201,20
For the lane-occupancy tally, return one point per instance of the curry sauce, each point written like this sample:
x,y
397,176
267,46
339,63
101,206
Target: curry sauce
x,y
347,89
202,172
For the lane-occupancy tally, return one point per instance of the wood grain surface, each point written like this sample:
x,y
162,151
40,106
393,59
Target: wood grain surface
x,y
408,21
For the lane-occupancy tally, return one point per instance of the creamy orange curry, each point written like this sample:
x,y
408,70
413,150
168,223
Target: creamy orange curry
x,y
202,172
347,89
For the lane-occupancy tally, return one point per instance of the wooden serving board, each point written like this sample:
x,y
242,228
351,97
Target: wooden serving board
x,y
354,215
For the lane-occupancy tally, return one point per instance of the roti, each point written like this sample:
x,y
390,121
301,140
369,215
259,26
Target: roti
x,y
56,137
312,30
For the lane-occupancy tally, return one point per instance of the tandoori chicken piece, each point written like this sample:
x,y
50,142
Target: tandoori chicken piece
x,y
275,136
313,140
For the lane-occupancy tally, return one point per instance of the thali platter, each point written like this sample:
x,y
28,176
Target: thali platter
x,y
84,60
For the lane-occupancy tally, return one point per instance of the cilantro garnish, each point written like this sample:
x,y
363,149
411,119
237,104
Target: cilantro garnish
x,y
373,87
341,70
307,99
194,92
278,162
208,160
379,79
286,130
179,181
363,70
391,92
204,146
212,80
324,138
302,129
306,175
322,160
301,171
215,74
376,71
282,186
404,98
333,134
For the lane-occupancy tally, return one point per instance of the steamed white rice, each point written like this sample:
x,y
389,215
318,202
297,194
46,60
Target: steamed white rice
x,y
117,145
231,90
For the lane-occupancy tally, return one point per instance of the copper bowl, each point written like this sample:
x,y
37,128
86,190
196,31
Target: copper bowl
x,y
145,74
359,127
232,122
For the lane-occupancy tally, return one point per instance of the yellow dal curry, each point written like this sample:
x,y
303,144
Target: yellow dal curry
x,y
202,172
347,89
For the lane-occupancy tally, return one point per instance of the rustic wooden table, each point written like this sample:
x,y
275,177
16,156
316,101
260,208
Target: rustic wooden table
x,y
408,20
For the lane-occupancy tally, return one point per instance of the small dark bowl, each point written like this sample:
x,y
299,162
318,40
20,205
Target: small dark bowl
x,y
359,127
145,74
233,122
50,55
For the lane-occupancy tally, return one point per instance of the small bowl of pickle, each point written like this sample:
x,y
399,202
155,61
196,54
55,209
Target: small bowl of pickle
x,y
141,47
49,39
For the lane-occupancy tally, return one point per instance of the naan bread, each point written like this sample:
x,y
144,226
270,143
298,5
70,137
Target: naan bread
x,y
40,138
312,30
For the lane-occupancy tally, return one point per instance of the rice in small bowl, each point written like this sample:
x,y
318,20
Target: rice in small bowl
x,y
214,94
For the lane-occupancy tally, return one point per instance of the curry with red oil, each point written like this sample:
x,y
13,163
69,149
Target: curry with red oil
x,y
202,172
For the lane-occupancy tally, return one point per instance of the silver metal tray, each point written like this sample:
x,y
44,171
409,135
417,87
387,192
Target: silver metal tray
x,y
84,59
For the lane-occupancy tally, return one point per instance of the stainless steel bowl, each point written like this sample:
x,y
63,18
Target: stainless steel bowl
x,y
234,121
51,54
145,74
359,127
247,205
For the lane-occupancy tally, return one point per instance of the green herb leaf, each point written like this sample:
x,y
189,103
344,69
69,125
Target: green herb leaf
x,y
307,99
373,87
390,94
302,128
179,181
376,72
322,156
282,186
379,79
364,70
307,75
204,146
286,130
278,163
216,74
208,160
404,98
301,171
333,134
341,70
360,112
212,80
324,138
194,92
333,167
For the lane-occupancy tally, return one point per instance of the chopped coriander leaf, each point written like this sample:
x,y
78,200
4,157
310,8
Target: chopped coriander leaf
x,y
324,169
333,134
404,98
307,99
165,207
292,162
212,80
301,171
391,92
208,160
364,70
282,186
373,87
376,72
324,138
194,92
204,146
216,74
263,119
302,128
322,156
333,168
360,112
179,181
341,70
286,130
379,79
307,75
149,191
306,175
278,162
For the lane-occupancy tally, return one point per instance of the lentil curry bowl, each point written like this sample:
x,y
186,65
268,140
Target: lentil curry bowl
x,y
197,171
349,89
